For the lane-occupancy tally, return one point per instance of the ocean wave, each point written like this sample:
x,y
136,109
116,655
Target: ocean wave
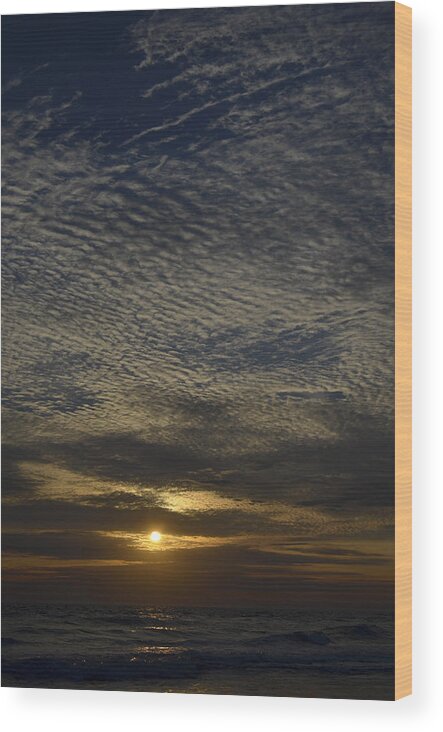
x,y
362,631
144,649
317,638
108,668
41,671
11,642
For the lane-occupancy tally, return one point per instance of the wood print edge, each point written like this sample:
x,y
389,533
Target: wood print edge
x,y
403,351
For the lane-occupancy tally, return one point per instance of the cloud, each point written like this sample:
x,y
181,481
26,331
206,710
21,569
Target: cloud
x,y
198,272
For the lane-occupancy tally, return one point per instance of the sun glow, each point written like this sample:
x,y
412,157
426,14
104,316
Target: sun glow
x,y
155,536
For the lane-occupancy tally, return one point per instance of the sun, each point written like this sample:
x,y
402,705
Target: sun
x,y
155,536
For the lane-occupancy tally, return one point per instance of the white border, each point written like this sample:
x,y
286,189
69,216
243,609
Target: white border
x,y
50,710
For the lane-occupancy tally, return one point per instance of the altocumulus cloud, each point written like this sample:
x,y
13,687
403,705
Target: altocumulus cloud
x,y
197,274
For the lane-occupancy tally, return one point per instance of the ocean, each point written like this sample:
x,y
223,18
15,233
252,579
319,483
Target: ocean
x,y
199,650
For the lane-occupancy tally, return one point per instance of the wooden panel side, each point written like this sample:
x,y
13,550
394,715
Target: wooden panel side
x,y
403,351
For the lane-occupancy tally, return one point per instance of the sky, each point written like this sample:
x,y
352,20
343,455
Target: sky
x,y
198,323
